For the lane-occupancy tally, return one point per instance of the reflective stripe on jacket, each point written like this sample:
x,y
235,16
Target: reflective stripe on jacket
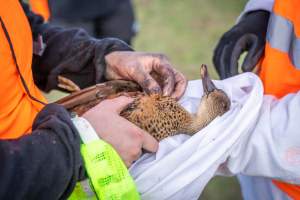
x,y
17,108
40,7
280,67
280,70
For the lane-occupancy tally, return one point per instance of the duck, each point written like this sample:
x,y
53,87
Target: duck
x,y
161,116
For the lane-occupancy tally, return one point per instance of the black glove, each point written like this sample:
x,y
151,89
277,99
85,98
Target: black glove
x,y
248,35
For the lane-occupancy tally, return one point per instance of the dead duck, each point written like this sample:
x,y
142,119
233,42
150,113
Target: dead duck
x,y
161,116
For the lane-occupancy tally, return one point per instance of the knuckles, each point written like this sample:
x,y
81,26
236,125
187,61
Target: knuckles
x,y
161,57
136,145
137,135
135,153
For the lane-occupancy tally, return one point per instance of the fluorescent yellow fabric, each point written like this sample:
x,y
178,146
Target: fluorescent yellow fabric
x,y
107,173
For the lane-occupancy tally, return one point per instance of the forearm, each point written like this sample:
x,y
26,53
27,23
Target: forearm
x,y
272,149
75,55
45,164
71,53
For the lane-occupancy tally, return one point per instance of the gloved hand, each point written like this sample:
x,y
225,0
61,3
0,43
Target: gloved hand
x,y
248,35
153,72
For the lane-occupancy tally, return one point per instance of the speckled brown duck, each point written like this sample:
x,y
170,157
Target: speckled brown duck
x,y
160,116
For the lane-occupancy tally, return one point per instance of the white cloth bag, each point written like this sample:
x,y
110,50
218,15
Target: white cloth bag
x,y
183,165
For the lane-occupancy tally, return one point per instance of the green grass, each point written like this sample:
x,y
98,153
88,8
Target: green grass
x,y
185,30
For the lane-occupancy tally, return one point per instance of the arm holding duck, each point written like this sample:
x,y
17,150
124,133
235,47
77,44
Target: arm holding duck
x,y
85,60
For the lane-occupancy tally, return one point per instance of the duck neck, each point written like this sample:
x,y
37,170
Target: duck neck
x,y
198,123
201,119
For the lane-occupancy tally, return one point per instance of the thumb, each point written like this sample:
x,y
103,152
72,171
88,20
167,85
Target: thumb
x,y
117,104
256,49
252,59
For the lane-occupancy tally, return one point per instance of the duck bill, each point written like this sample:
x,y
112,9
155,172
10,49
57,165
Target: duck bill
x,y
208,85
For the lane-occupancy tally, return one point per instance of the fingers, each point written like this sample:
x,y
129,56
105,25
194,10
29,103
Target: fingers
x,y
172,82
140,140
146,81
116,105
227,55
149,143
163,68
180,85
225,59
133,153
222,51
217,57
67,84
238,48
222,58
254,54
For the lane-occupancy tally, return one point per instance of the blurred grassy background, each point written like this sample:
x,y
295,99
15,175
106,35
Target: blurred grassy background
x,y
187,32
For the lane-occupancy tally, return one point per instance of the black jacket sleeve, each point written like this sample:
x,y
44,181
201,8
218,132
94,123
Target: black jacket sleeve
x,y
71,53
45,164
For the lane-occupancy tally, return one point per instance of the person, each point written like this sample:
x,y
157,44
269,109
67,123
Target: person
x,y
269,31
39,144
105,18
40,7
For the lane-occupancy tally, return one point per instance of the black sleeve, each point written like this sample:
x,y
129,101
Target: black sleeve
x,y
71,53
45,164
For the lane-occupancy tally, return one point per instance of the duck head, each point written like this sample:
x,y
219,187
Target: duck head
x,y
214,101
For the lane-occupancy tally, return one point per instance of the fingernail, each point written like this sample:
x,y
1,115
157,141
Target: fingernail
x,y
167,92
156,90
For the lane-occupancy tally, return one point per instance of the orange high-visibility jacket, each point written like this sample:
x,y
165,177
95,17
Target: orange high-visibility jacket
x,y
17,109
40,7
280,68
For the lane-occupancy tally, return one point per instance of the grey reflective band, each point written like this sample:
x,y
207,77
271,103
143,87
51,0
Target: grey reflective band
x,y
295,52
282,37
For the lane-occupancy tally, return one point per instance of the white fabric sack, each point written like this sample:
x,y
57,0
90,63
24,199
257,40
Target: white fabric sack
x,y
183,165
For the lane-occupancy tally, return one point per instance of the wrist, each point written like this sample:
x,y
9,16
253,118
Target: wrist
x,y
86,131
112,62
107,173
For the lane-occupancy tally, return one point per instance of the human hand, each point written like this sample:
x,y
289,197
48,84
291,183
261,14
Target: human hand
x,y
126,138
248,35
145,69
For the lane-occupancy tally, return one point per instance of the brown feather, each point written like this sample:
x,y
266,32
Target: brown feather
x,y
160,116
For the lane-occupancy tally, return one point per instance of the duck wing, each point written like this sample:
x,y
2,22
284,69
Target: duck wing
x,y
83,100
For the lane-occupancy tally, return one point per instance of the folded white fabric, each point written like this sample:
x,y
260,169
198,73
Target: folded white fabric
x,y
183,165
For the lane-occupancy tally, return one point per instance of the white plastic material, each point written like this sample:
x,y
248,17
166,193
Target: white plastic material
x,y
86,131
183,165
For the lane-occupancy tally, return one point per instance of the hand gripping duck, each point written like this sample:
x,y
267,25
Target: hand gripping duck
x,y
161,116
